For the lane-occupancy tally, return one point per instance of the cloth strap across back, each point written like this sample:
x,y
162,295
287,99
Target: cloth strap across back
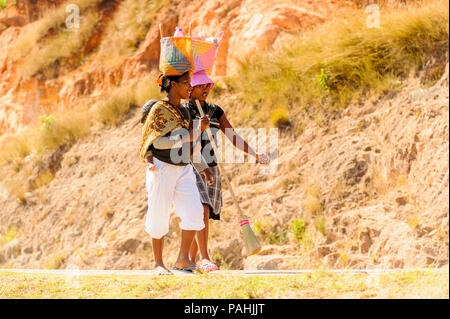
x,y
162,119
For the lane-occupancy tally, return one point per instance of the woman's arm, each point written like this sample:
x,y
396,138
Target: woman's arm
x,y
239,142
195,133
230,133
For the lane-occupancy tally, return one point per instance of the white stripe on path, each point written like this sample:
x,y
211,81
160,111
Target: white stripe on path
x,y
218,272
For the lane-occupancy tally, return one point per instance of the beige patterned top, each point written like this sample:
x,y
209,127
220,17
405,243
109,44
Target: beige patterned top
x,y
162,119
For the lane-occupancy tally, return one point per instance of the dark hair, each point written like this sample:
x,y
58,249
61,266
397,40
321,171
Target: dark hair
x,y
167,81
146,109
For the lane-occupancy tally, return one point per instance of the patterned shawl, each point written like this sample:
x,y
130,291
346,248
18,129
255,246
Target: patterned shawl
x,y
162,119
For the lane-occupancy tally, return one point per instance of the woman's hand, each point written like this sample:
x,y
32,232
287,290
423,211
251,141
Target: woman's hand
x,y
204,122
197,149
149,160
209,177
201,125
262,158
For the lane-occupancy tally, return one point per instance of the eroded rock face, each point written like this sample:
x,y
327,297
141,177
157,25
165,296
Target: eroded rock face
x,y
20,12
98,202
249,26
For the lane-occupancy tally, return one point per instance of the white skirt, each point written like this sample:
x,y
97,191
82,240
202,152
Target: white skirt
x,y
170,184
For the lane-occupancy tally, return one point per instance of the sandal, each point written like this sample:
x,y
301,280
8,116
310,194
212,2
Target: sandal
x,y
209,266
189,270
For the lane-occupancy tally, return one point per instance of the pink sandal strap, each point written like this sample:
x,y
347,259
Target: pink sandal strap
x,y
209,266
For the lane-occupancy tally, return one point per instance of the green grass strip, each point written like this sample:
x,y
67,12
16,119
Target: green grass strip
x,y
430,283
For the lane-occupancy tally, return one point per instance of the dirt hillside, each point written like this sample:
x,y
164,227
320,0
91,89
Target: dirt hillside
x,y
23,98
368,190
386,196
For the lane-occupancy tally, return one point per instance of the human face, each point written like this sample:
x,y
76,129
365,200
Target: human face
x,y
183,86
200,92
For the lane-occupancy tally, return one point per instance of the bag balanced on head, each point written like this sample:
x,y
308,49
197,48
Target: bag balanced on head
x,y
180,54
176,56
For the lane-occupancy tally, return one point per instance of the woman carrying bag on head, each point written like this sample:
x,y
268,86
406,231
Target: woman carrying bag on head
x,y
211,193
167,139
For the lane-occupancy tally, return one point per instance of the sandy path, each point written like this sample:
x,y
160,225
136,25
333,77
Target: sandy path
x,y
76,272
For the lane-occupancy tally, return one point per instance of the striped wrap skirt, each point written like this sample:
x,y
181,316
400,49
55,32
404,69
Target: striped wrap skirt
x,y
211,195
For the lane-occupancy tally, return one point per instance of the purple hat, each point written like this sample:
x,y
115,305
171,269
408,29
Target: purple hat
x,y
199,78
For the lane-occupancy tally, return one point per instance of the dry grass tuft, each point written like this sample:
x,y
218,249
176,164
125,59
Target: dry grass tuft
x,y
8,236
48,40
56,262
271,231
122,99
379,184
65,129
342,62
313,205
280,118
127,29
23,154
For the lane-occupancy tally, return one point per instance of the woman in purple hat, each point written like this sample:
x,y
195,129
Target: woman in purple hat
x,y
211,194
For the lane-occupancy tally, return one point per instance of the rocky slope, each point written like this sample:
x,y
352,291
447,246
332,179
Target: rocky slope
x,y
372,186
382,171
23,99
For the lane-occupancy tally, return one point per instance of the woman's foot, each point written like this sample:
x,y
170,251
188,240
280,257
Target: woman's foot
x,y
163,271
207,265
184,263
187,265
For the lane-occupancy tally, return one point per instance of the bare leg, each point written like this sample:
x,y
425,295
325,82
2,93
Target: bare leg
x,y
157,252
201,239
193,251
194,247
183,260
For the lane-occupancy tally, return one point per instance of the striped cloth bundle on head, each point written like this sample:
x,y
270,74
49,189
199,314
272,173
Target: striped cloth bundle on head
x,y
204,52
176,56
181,54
